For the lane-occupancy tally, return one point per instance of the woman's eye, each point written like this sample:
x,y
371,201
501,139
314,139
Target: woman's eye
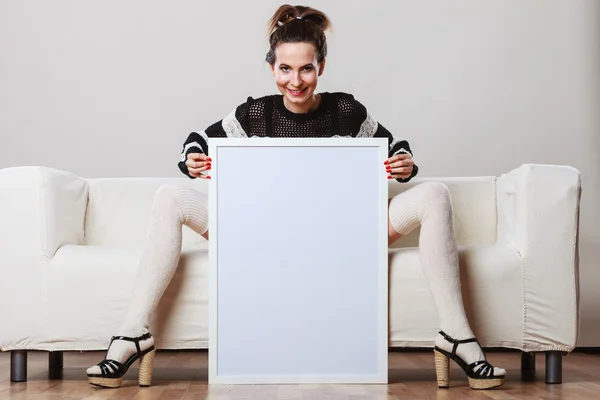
x,y
284,69
308,69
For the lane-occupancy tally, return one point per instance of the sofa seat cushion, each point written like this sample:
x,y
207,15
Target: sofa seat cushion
x,y
492,293
98,280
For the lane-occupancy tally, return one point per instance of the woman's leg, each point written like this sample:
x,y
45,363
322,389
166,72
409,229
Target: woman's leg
x,y
173,207
429,205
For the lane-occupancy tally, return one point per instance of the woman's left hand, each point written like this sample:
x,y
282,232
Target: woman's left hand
x,y
399,166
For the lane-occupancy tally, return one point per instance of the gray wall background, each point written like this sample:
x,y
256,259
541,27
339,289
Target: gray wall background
x,y
112,88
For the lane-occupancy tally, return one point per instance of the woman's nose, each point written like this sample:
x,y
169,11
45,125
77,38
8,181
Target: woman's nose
x,y
296,80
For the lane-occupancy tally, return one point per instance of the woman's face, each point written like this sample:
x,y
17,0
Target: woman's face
x,y
296,72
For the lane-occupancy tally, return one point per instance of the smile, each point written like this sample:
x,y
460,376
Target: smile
x,y
296,92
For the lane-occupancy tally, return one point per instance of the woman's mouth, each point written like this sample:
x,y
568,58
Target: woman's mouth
x,y
296,92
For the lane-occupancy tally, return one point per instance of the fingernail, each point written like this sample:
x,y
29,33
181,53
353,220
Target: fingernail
x,y
386,162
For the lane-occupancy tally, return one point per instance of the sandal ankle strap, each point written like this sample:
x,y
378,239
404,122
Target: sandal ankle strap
x,y
456,342
135,340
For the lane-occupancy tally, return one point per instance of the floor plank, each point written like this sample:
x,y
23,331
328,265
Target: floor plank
x,y
184,375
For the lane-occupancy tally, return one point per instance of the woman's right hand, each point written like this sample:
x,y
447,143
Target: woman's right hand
x,y
197,163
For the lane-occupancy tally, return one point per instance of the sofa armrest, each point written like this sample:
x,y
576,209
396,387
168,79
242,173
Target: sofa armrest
x,y
538,214
41,209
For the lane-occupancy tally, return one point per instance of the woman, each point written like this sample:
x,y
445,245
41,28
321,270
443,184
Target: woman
x,y
297,55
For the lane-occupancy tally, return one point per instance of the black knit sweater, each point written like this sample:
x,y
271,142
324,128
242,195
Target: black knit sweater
x,y
338,115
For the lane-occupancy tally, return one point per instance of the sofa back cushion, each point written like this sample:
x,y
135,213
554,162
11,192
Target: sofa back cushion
x,y
474,205
119,210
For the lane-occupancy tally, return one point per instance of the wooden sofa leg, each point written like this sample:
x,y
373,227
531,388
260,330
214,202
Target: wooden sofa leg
x,y
527,366
55,365
554,367
18,366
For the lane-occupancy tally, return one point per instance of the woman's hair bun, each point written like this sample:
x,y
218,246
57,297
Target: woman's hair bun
x,y
292,24
288,13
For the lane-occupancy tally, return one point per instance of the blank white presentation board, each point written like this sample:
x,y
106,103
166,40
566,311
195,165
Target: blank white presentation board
x,y
298,261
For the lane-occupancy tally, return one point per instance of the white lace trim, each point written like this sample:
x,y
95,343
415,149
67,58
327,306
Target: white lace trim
x,y
394,141
402,150
368,127
232,126
187,147
204,136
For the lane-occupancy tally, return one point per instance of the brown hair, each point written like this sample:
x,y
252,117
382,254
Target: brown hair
x,y
297,24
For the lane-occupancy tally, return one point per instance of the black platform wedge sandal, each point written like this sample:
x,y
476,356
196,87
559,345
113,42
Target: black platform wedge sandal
x,y
113,371
479,377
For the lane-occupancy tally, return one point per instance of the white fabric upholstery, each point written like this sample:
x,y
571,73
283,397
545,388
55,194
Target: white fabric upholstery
x,y
492,292
474,204
119,209
70,248
539,218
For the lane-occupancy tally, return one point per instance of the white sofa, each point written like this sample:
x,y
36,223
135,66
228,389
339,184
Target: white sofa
x,y
70,246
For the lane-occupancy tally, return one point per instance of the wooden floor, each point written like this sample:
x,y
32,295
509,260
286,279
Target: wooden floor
x,y
183,375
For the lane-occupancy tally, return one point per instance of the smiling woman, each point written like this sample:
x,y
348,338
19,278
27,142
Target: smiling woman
x,y
297,57
297,54
298,49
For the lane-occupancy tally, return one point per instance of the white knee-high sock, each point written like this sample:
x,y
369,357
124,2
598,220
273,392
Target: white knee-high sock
x,y
429,205
173,207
